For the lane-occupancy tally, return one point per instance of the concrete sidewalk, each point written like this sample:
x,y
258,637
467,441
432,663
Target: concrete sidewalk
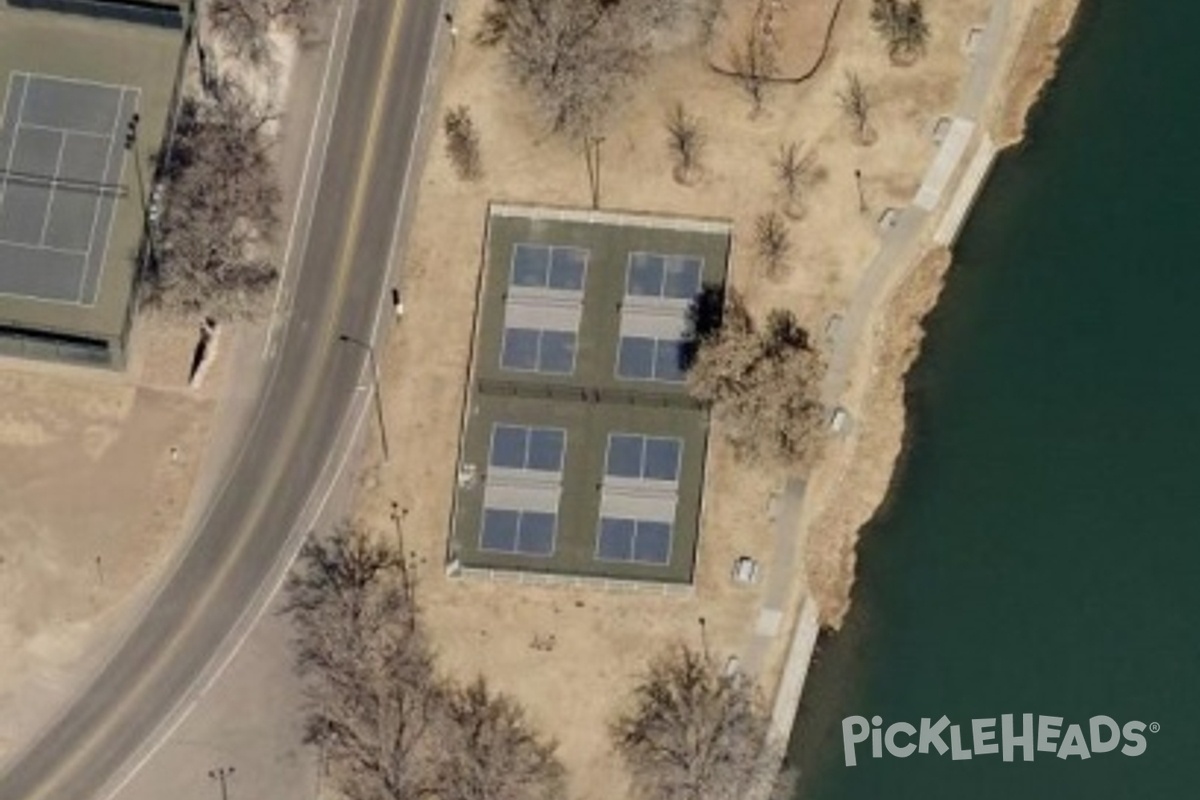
x,y
250,720
900,246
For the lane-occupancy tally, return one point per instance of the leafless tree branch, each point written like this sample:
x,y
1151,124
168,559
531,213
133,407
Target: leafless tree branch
x,y
462,142
693,733
219,211
763,386
686,140
902,25
856,104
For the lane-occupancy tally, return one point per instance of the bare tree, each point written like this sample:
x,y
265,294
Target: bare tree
x,y
763,386
902,25
245,24
373,701
773,242
490,753
574,55
220,208
462,142
493,24
686,140
707,14
388,727
795,173
856,105
694,733
756,59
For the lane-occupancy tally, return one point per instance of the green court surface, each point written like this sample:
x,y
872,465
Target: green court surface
x,y
71,195
582,454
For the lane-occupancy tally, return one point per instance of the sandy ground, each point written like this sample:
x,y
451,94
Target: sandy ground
x,y
797,28
95,473
118,494
1047,28
601,640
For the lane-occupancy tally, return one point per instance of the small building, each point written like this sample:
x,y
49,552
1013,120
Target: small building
x,y
582,454
89,88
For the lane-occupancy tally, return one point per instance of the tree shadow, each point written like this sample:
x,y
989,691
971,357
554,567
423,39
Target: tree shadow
x,y
705,314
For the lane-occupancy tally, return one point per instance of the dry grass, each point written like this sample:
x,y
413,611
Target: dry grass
x,y
801,25
864,462
87,472
857,471
602,639
1035,64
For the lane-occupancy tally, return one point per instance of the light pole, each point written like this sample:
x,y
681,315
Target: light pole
x,y
370,348
704,637
398,515
221,774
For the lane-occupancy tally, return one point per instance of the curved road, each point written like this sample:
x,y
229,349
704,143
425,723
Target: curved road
x,y
245,534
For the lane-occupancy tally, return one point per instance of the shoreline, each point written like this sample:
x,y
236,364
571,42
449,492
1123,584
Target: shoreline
x,y
867,475
895,326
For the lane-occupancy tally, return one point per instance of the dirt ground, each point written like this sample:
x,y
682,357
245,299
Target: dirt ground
x,y
602,640
95,473
796,28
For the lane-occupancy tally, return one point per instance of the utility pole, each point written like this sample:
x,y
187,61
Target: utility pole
x,y
398,516
221,774
370,348
412,575
704,637
862,198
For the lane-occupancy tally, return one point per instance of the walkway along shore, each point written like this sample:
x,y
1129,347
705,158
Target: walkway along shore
x,y
932,222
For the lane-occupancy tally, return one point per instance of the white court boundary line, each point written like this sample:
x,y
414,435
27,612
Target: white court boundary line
x,y
268,380
59,250
4,107
12,144
55,129
96,208
52,77
18,123
104,254
49,210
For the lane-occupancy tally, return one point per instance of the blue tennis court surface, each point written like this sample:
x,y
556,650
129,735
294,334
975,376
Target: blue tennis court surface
x,y
61,157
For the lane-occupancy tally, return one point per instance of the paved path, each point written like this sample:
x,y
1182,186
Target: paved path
x,y
780,577
293,450
899,247
899,243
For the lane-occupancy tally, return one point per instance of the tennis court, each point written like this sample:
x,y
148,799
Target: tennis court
x,y
62,154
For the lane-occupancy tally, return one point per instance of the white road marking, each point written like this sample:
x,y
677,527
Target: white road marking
x,y
251,616
306,198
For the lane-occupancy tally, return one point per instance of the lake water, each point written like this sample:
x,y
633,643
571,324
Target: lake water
x,y
1039,552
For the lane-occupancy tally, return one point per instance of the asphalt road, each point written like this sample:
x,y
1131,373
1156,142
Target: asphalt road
x,y
245,534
